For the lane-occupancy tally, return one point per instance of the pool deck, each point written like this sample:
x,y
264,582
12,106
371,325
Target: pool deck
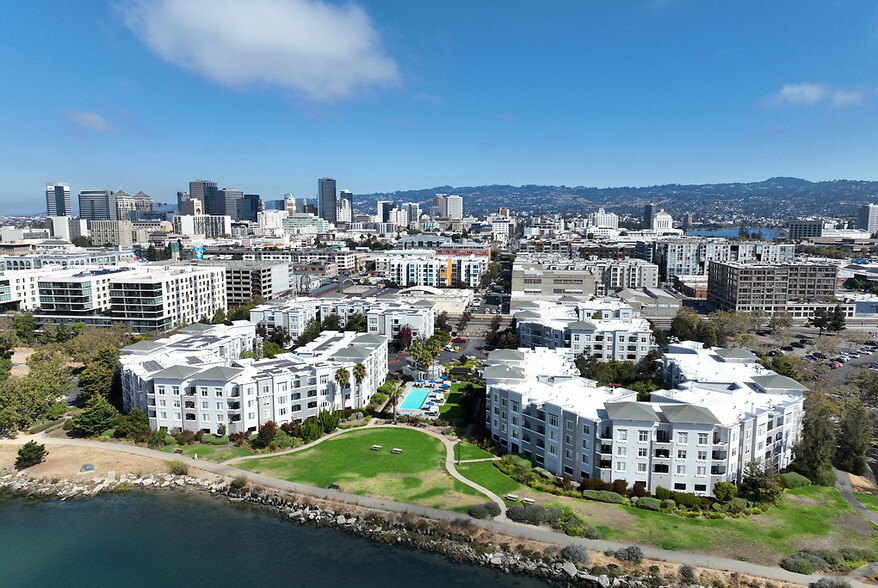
x,y
427,390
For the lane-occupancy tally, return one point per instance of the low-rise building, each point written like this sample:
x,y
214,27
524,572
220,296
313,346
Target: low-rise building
x,y
724,411
195,380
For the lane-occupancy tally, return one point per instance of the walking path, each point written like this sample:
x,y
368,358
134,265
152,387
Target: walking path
x,y
504,526
843,484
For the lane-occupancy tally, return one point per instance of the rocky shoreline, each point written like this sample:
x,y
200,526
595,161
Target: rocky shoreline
x,y
458,540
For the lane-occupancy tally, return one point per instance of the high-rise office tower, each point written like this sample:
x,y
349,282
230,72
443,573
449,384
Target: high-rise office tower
x,y
222,202
98,205
58,200
208,194
454,206
412,212
249,207
440,201
648,215
327,204
383,209
345,213
867,218
129,207
181,198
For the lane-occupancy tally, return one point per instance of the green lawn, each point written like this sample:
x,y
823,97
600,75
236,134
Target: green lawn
x,y
417,475
216,453
485,474
869,501
466,450
451,411
810,517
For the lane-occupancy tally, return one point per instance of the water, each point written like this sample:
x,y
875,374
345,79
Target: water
x,y
768,234
414,400
164,539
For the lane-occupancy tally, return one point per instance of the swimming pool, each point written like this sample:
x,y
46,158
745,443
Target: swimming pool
x,y
414,400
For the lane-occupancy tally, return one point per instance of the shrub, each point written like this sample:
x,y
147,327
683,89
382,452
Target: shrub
x,y
56,411
238,439
724,491
803,562
157,438
720,507
737,505
44,426
633,554
30,454
649,503
238,482
669,504
178,468
214,440
69,425
546,474
594,484
686,499
662,493
830,583
484,511
792,480
185,437
533,514
603,496
620,487
590,532
639,489
687,574
575,553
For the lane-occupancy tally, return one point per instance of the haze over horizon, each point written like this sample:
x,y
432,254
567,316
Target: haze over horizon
x,y
269,95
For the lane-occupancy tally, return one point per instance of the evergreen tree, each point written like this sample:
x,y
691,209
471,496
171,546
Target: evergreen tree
x,y
30,454
98,416
761,484
814,453
854,437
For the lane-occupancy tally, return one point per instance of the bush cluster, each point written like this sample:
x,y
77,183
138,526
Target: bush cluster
x,y
633,554
178,468
488,510
534,514
809,561
575,553
792,480
604,496
649,503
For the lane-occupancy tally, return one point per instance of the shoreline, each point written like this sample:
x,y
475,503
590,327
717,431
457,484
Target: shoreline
x,y
459,540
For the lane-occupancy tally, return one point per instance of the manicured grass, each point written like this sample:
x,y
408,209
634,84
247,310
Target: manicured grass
x,y
869,501
215,453
485,474
470,451
417,475
810,517
451,411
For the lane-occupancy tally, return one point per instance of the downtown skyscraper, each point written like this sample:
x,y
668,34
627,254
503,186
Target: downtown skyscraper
x,y
327,199
58,200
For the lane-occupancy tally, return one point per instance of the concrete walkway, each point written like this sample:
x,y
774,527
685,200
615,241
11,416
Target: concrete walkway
x,y
478,460
843,485
500,526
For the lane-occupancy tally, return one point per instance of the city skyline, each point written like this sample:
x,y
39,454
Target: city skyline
x,y
634,94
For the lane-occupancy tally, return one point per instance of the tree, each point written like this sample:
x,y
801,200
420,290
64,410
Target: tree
x,y
814,453
706,333
684,326
826,319
761,484
267,434
101,376
393,391
781,321
30,454
98,416
270,349
25,326
731,327
757,318
331,323
356,322
343,379
311,332
81,241
724,491
442,321
837,321
134,425
281,337
328,420
360,374
854,437
404,337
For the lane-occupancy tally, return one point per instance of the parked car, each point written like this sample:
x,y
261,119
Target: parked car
x,y
787,348
810,357
807,340
774,353
797,345
834,364
819,355
458,340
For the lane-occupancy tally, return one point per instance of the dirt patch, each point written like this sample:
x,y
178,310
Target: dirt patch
x,y
864,485
19,361
803,500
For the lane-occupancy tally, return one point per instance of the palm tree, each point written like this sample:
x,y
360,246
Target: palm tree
x,y
359,375
342,378
394,390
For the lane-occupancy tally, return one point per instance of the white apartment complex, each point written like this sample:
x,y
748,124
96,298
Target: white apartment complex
x,y
194,380
725,411
421,267
692,256
383,317
211,226
604,328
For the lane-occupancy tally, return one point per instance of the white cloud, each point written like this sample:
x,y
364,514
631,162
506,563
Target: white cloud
x,y
89,120
320,51
810,94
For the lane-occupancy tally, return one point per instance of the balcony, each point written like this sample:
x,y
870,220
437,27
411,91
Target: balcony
x,y
606,450
660,468
606,434
234,405
605,464
717,471
718,455
662,454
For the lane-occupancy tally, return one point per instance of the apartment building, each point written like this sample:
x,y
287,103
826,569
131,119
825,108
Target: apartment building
x,y
690,256
212,226
418,267
544,279
248,279
725,411
383,316
39,257
195,380
798,288
115,233
604,328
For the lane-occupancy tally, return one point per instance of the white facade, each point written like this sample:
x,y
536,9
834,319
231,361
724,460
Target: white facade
x,y
607,329
209,225
195,380
679,257
661,221
415,267
603,219
686,439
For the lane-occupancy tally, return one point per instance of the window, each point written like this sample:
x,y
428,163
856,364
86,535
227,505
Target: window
x,y
701,471
296,407
584,458
568,425
620,466
218,392
312,405
681,454
702,455
642,451
643,435
682,438
586,430
585,443
702,438
161,389
553,449
514,406
641,467
282,411
205,405
567,454
568,439
621,451
679,486
553,420
219,405
622,435
175,390
203,390
681,470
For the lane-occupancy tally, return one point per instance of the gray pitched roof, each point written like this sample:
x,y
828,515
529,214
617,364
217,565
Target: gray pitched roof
x,y
176,372
370,338
503,372
528,304
424,304
352,352
527,314
632,411
777,382
568,298
582,326
143,346
220,374
688,413
514,354
196,328
735,353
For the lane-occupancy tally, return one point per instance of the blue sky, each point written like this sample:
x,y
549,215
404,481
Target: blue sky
x,y
269,95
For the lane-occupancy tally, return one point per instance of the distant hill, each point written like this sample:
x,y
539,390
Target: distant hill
x,y
775,199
